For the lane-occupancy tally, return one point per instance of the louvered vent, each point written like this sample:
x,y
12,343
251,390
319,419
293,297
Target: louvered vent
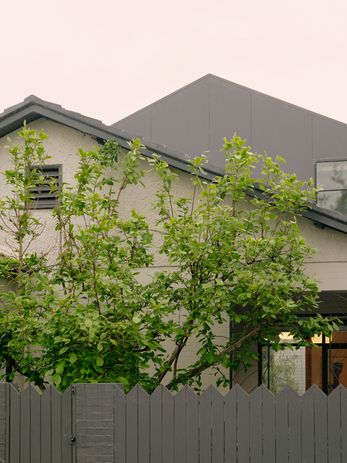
x,y
45,195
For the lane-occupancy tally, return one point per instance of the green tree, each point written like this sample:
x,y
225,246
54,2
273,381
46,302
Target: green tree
x,y
235,251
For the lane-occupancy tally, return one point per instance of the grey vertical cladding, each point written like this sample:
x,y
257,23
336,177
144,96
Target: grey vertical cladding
x,y
99,423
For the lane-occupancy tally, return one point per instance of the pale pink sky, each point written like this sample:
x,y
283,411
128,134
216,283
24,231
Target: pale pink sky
x,y
108,58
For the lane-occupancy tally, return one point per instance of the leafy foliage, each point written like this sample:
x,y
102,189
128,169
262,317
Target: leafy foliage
x,y
235,254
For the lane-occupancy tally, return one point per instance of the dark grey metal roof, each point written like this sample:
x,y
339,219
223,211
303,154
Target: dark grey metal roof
x,y
196,117
33,108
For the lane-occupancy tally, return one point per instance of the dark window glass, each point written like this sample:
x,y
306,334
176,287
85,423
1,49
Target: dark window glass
x,y
45,193
332,181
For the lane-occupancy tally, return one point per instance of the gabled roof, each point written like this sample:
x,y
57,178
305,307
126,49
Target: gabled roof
x,y
33,108
197,117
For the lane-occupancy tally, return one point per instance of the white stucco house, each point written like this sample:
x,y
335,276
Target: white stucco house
x,y
193,120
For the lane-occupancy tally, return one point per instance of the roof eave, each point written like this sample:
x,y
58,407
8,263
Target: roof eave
x,y
34,108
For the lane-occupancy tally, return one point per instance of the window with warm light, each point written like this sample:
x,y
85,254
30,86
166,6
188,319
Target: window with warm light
x,y
323,364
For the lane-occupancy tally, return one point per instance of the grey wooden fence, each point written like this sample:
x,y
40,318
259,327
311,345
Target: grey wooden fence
x,y
98,423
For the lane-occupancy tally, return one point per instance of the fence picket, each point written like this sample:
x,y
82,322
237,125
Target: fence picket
x,y
46,417
334,427
56,436
217,425
3,420
25,447
15,425
168,426
295,426
256,425
308,451
119,426
269,431
320,426
35,426
156,425
131,426
66,424
180,427
192,418
205,426
230,408
344,423
282,429
143,426
243,426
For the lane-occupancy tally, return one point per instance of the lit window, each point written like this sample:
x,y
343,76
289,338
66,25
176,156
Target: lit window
x,y
332,182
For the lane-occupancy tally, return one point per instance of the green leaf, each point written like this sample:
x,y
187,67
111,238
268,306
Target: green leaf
x,y
60,367
100,347
73,358
56,379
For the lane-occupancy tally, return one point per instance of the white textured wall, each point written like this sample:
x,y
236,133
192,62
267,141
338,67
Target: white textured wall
x,y
61,145
329,262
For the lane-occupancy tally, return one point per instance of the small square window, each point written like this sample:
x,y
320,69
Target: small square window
x,y
45,194
332,181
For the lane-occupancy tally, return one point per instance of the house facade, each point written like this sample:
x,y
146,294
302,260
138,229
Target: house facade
x,y
194,120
